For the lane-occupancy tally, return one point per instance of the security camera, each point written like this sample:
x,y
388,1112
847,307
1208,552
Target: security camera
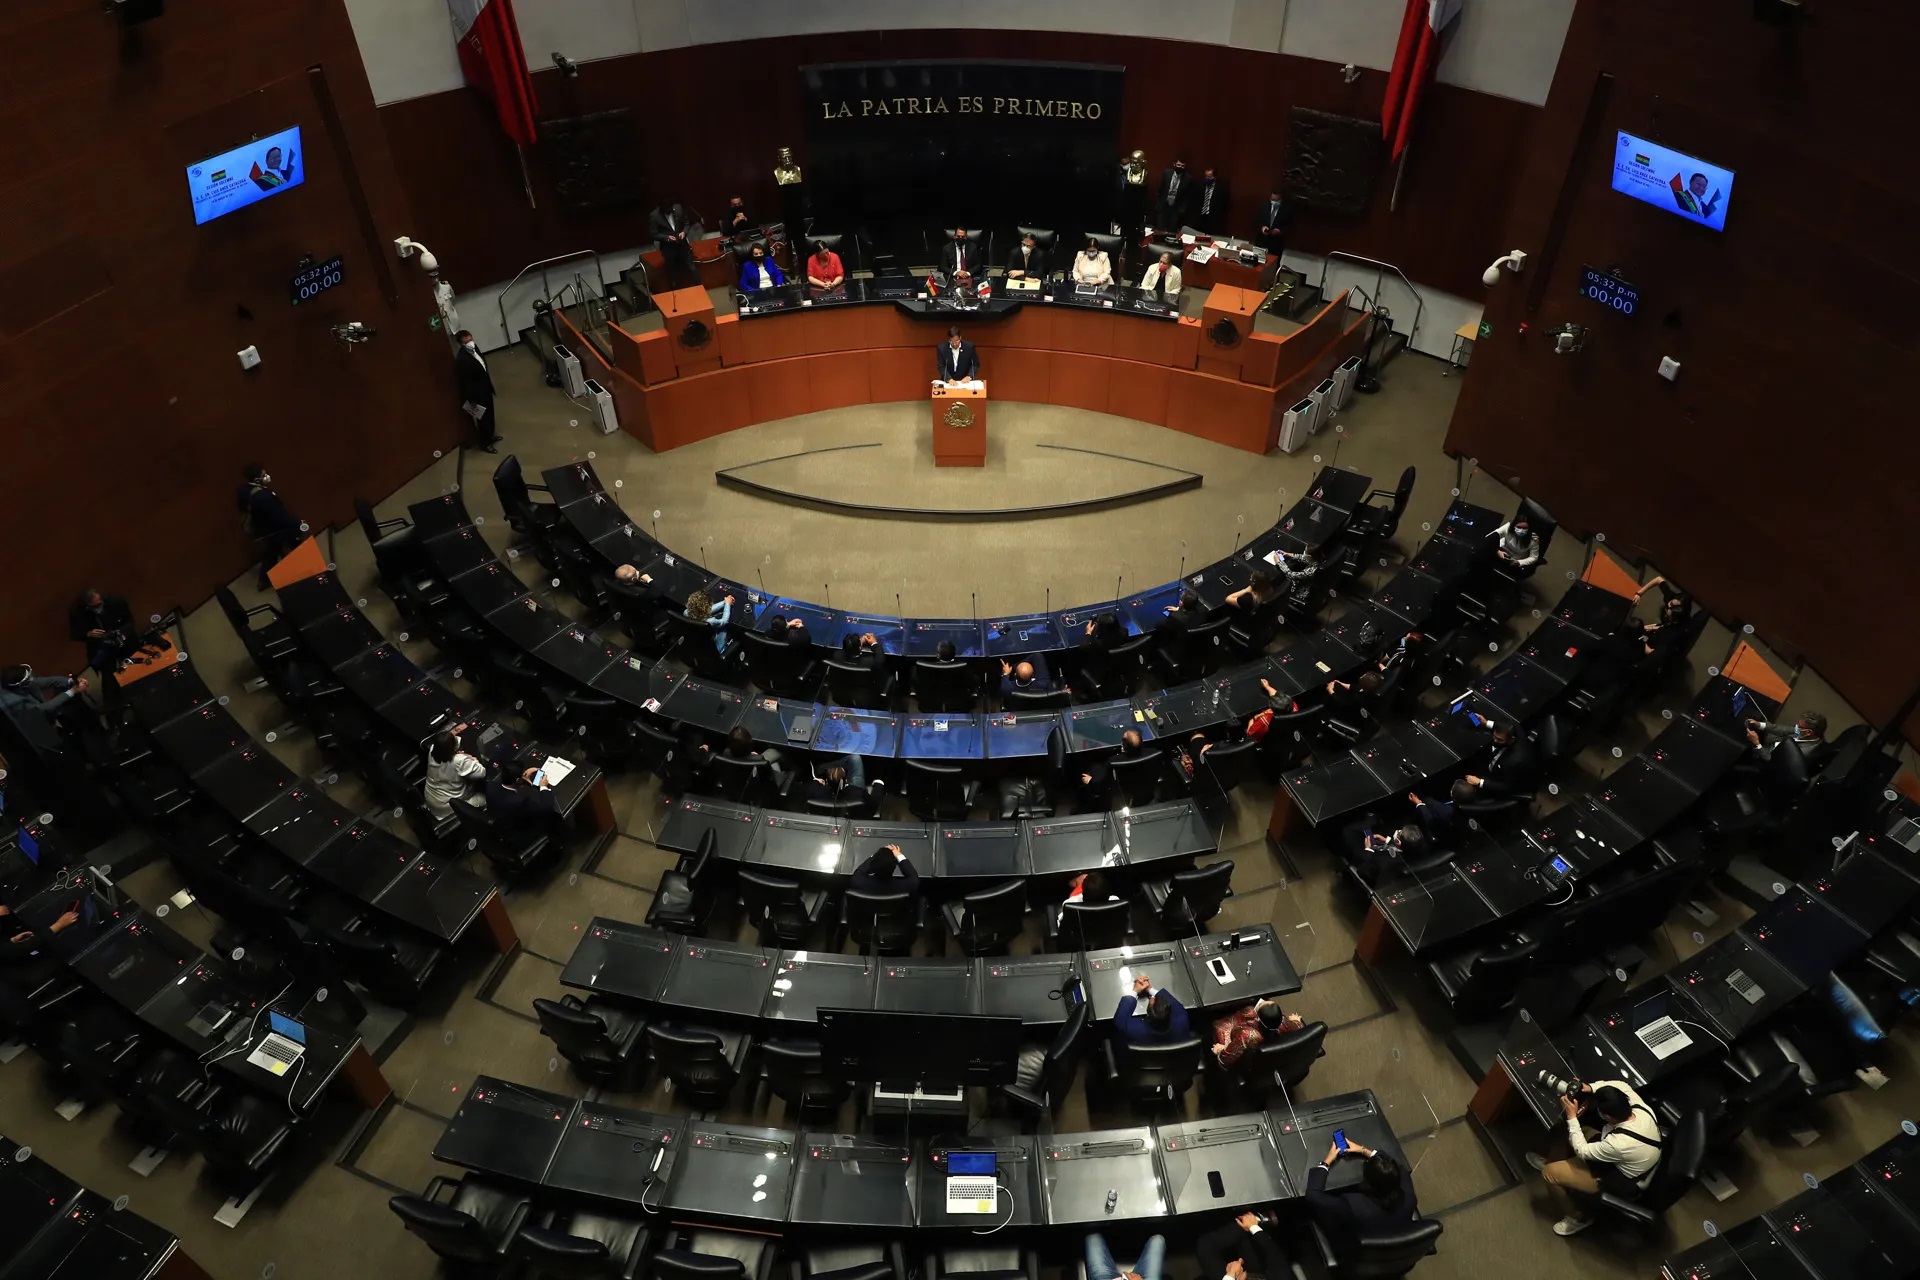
x,y
353,333
1515,260
1569,338
1350,73
407,247
568,66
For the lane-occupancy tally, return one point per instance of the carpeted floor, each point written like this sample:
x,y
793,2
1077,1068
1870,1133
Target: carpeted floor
x,y
333,1220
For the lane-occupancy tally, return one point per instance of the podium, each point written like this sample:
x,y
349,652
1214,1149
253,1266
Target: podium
x,y
959,427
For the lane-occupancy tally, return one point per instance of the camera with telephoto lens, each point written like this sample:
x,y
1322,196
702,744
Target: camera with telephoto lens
x,y
1559,1088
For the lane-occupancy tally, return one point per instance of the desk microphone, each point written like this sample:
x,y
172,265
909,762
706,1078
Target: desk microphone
x,y
973,605
828,588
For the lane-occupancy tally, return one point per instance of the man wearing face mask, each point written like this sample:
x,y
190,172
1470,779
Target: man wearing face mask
x,y
266,519
476,392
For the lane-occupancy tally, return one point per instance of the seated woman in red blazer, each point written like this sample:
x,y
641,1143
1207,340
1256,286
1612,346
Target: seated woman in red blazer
x,y
823,268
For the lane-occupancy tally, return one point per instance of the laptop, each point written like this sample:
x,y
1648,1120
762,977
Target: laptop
x,y
1660,1033
971,1185
1746,987
285,1041
30,846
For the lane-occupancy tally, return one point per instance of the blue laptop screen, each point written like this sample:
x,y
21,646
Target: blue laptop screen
x,y
287,1027
976,1163
30,846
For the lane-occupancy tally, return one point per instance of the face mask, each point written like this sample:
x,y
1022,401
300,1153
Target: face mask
x,y
468,344
264,480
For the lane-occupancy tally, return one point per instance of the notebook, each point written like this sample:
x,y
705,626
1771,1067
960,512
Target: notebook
x,y
971,1185
284,1044
1660,1033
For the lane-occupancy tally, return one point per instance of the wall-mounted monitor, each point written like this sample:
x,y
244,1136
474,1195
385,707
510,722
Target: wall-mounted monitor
x,y
1672,180
235,179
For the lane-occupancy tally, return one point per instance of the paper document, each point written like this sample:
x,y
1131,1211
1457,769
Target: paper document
x,y
1201,255
473,410
555,770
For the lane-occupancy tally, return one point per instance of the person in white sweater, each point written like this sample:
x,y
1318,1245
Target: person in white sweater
x,y
1619,1157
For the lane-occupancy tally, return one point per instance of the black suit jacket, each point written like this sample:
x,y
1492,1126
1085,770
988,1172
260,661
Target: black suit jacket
x,y
950,255
1173,207
952,367
1036,265
1510,771
667,220
1278,219
114,615
1348,1217
1215,215
517,808
475,383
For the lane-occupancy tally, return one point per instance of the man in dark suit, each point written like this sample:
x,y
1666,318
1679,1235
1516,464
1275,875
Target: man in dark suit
x,y
1242,1248
1025,677
1189,612
1382,1204
955,359
1210,202
1028,261
518,805
1276,215
962,257
670,223
266,519
476,392
1176,195
104,624
1509,770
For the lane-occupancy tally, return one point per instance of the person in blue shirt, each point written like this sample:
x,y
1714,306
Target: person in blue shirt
x,y
758,271
716,614
1163,1022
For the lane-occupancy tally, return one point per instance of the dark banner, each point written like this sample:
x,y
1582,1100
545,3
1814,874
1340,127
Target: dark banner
x,y
980,144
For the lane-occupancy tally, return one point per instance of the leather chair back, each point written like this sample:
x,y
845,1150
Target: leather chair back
x,y
1158,1070
1233,763
684,1264
1683,1150
1063,1055
993,917
746,781
1390,1254
1093,926
850,685
1289,1057
695,1061
1036,699
1043,237
936,792
1198,893
557,1255
450,1233
883,924
944,686
1493,979
1144,778
581,1038
796,1073
774,904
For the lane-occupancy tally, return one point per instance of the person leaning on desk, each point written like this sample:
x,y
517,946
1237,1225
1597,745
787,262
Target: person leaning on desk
x,y
1091,266
887,871
1163,1021
758,271
1028,261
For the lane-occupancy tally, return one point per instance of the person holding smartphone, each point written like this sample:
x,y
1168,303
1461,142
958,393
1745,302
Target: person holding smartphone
x,y
1243,1249
518,799
1383,1202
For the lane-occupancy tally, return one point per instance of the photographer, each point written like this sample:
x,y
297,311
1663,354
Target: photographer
x,y
1620,1158
104,624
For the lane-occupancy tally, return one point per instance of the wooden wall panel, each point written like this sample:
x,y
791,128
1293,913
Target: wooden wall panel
x,y
1775,477
1222,107
125,413
1018,374
780,389
900,373
1139,391
1078,329
839,379
1079,382
1223,410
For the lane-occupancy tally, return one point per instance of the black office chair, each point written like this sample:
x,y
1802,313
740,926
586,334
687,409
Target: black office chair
x,y
1011,1262
987,922
702,1062
241,1137
786,670
272,642
513,852
1152,1074
882,924
1232,763
1480,981
836,241
1188,899
1284,1060
1683,1151
1044,240
665,756
851,685
1192,653
528,518
850,1262
1374,522
693,644
470,1223
713,1255
944,686
1045,1076
745,781
938,792
1143,779
1113,246
1382,1256
795,1072
395,966
600,1038
1089,926
685,898
579,1244
779,908
1032,796
1113,674
165,1100
1036,699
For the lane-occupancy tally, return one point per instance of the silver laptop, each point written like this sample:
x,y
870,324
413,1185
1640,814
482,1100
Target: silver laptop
x,y
1656,1030
971,1185
1748,989
281,1048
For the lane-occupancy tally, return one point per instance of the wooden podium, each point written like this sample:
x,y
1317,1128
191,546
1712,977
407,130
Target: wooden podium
x,y
960,427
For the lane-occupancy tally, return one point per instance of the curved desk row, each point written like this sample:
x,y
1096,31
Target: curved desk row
x,y
492,592
182,995
805,1184
1729,989
1215,377
780,993
423,891
60,1230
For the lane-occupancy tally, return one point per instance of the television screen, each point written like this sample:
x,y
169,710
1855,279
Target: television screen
x,y
1673,180
235,179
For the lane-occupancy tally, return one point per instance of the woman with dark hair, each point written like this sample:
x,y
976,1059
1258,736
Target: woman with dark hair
x,y
1262,588
449,765
1092,266
1246,1029
758,271
1383,1203
824,270
1089,887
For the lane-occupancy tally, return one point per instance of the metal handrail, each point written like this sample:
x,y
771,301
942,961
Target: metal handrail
x,y
546,290
1419,303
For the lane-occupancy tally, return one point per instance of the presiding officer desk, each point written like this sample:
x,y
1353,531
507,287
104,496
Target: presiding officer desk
x,y
798,350
815,1185
190,726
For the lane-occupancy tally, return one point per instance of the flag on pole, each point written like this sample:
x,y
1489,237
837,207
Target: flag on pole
x,y
493,62
1414,62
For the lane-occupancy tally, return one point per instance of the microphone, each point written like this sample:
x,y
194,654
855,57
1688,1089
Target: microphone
x,y
762,578
897,610
973,605
828,588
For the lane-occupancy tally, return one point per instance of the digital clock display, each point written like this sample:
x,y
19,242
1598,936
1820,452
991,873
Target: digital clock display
x,y
310,282
1609,290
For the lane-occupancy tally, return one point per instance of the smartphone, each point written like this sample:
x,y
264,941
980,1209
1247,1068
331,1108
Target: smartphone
x,y
1340,1139
1215,1185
